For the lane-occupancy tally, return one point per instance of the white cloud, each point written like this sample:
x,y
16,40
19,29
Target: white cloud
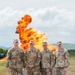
x,y
57,24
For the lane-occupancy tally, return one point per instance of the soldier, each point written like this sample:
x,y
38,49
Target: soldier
x,y
15,59
32,60
46,60
62,59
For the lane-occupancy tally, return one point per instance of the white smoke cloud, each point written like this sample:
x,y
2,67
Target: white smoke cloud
x,y
57,24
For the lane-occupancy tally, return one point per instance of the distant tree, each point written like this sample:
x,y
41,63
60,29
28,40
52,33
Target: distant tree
x,y
5,52
1,50
2,55
72,52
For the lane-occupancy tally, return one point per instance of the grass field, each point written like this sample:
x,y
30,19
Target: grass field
x,y
71,69
3,69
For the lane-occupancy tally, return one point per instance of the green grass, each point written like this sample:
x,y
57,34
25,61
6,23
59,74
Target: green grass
x,y
71,68
3,69
72,64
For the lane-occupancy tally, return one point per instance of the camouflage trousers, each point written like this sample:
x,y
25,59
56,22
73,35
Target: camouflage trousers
x,y
33,71
46,71
60,71
15,71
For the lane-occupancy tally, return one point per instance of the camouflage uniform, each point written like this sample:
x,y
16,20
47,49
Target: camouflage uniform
x,y
46,62
15,60
62,61
33,58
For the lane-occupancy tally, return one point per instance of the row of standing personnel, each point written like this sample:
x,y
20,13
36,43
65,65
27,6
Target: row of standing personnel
x,y
36,62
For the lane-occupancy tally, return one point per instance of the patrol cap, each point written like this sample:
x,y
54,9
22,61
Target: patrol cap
x,y
31,42
44,43
15,40
59,42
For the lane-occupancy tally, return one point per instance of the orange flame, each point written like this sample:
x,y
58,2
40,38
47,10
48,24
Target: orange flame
x,y
3,60
25,35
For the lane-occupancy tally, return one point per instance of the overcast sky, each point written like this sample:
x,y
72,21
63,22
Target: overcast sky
x,y
56,18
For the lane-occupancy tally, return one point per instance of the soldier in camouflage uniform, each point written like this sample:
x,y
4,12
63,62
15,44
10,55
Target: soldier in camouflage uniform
x,y
62,60
15,60
46,60
32,60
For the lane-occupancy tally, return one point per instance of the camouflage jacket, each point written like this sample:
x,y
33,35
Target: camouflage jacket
x,y
62,58
15,58
46,58
32,57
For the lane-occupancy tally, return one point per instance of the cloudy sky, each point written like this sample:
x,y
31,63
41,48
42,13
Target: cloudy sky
x,y
56,18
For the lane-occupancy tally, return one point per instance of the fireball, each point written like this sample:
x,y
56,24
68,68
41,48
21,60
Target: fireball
x,y
27,34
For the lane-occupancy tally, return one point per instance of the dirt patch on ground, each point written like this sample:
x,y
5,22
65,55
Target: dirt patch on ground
x,y
70,73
